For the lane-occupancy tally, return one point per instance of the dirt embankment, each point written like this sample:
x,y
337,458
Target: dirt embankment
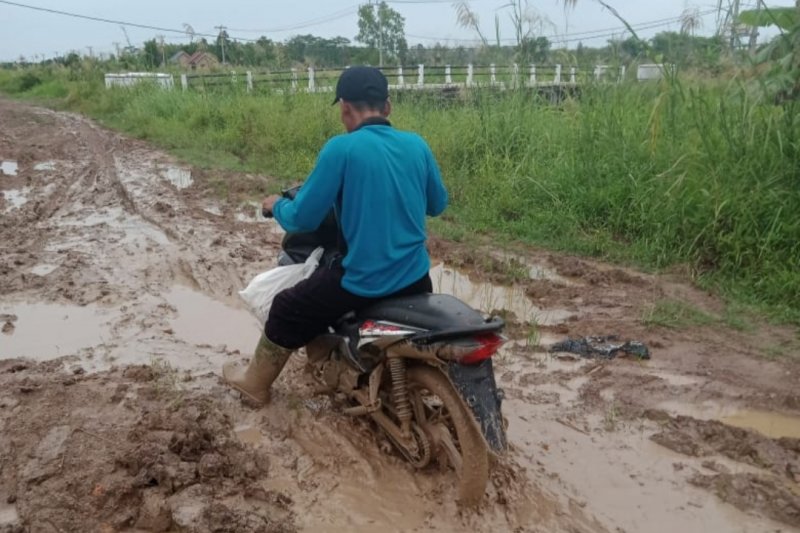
x,y
118,279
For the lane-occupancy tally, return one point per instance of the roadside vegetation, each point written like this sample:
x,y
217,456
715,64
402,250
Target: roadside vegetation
x,y
701,176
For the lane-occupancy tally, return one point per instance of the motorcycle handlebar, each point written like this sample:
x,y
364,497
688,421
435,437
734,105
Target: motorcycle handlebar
x,y
286,193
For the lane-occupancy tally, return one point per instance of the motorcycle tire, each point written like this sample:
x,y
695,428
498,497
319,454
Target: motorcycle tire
x,y
473,473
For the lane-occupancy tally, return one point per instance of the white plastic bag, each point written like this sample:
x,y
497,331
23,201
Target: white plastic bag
x,y
264,287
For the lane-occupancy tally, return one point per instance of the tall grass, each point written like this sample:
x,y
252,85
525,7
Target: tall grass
x,y
704,175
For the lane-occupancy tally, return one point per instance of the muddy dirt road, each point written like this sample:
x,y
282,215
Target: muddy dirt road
x,y
119,272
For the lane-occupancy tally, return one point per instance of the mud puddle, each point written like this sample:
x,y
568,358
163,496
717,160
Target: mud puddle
x,y
249,435
45,166
621,476
769,423
43,269
133,228
201,320
213,210
43,331
9,168
774,425
16,198
181,178
488,298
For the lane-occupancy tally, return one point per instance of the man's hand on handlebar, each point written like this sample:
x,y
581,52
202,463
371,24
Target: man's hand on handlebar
x,y
268,204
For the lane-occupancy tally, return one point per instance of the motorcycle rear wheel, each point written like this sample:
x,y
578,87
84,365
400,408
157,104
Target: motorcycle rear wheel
x,y
449,424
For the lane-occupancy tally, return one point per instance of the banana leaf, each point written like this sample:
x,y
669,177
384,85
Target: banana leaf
x,y
785,18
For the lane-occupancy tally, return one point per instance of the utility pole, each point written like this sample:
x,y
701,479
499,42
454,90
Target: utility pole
x,y
163,50
222,40
754,30
377,5
734,25
91,51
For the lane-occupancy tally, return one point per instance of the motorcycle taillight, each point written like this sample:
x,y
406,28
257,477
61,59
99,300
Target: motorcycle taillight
x,y
488,344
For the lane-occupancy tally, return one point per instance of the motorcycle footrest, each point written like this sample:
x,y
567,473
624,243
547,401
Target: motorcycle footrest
x,y
361,410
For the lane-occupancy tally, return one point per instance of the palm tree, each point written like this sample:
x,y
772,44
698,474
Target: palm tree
x,y
187,28
467,18
691,20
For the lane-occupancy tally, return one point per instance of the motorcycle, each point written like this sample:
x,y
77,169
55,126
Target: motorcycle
x,y
420,366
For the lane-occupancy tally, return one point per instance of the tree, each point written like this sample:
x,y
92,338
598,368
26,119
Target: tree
x,y
222,46
533,50
783,52
152,55
384,31
684,49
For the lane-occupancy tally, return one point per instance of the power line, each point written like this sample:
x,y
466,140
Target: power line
x,y
300,25
110,21
565,38
313,22
586,35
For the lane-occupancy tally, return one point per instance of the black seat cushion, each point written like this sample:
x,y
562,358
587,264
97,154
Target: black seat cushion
x,y
426,311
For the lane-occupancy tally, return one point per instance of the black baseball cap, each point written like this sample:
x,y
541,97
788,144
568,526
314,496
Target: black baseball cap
x,y
362,84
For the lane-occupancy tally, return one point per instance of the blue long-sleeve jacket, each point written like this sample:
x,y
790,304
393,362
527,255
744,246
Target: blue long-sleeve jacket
x,y
382,183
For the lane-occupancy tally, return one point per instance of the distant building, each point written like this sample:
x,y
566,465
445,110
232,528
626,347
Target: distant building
x,y
181,58
203,60
198,60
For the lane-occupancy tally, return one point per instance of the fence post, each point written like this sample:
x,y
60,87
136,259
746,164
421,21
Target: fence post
x,y
492,74
294,79
233,78
249,81
448,75
533,75
312,82
421,75
184,82
470,75
400,80
515,76
572,75
622,73
557,79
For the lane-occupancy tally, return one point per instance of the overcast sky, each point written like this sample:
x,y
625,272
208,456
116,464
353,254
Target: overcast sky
x,y
24,32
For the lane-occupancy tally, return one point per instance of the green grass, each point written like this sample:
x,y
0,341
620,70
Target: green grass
x,y
704,174
675,314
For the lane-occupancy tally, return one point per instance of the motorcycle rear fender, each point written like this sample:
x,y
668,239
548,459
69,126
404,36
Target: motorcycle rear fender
x,y
478,388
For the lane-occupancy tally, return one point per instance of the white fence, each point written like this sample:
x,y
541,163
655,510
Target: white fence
x,y
130,79
401,78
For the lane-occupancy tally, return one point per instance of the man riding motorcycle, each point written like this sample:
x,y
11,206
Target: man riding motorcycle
x,y
382,183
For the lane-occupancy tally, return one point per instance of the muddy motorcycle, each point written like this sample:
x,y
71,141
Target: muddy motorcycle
x,y
420,366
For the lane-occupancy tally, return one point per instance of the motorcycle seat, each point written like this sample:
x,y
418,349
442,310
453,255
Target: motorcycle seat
x,y
439,314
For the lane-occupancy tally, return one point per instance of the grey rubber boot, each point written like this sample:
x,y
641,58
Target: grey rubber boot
x,y
255,380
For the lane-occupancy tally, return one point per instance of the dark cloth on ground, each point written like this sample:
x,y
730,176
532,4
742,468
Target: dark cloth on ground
x,y
606,347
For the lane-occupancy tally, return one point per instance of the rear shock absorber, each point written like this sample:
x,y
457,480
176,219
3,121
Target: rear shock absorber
x,y
400,400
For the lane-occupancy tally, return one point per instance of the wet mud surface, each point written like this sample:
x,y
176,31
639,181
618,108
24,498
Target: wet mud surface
x,y
119,273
